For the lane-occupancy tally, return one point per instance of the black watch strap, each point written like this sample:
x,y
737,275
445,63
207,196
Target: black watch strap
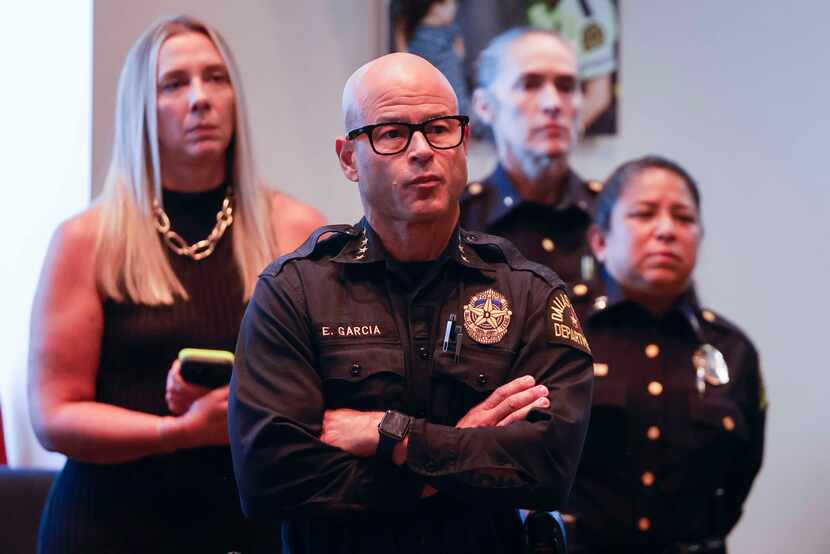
x,y
393,428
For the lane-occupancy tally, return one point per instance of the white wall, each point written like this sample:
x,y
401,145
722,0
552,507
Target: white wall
x,y
735,91
45,108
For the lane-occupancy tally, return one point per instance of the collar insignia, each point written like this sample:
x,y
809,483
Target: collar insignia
x,y
364,246
487,316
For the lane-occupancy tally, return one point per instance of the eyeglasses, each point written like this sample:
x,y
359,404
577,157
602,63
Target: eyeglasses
x,y
442,133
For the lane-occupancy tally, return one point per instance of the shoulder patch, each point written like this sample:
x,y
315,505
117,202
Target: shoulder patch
x,y
309,246
563,324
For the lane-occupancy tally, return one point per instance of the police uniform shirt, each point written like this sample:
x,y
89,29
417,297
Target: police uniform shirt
x,y
663,464
554,236
337,324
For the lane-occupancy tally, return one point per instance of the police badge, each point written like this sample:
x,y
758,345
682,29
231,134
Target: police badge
x,y
487,316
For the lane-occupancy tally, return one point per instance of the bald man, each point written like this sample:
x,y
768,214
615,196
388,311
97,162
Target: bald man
x,y
402,385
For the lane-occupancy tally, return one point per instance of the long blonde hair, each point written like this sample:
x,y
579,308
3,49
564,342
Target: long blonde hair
x,y
130,260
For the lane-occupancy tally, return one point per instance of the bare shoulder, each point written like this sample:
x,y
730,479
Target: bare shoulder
x,y
293,221
79,232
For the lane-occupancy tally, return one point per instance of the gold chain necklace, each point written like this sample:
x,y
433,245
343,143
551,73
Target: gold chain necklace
x,y
203,248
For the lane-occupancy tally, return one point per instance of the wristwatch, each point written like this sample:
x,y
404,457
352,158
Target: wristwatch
x,y
393,428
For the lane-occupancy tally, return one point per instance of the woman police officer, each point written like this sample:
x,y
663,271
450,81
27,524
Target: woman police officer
x,y
677,425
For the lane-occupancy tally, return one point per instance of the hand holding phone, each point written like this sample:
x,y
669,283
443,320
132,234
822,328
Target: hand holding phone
x,y
206,368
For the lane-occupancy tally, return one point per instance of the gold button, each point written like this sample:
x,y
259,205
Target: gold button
x,y
653,433
708,316
508,201
647,478
580,289
652,350
655,388
600,370
595,186
475,188
728,423
548,245
644,524
569,519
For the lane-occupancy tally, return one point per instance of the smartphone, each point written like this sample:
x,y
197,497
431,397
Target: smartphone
x,y
207,368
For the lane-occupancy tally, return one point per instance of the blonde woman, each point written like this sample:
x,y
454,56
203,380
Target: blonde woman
x,y
164,259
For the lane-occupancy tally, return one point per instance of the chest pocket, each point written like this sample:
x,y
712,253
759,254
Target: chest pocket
x,y
458,386
608,431
363,377
719,420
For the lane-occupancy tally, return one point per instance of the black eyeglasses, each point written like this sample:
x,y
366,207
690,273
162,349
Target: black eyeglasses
x,y
442,133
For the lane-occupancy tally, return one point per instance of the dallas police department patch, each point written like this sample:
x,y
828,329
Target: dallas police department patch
x,y
563,324
487,316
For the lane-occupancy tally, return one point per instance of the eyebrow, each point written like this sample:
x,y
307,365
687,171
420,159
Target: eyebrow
x,y
178,71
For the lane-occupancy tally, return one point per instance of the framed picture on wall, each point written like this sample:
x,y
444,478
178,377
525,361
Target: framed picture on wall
x,y
451,33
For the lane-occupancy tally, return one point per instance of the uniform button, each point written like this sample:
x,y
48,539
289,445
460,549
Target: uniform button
x,y
355,369
655,388
644,524
647,478
728,423
472,237
548,245
475,188
600,302
595,186
482,379
708,316
653,433
423,353
580,289
652,350
600,370
508,201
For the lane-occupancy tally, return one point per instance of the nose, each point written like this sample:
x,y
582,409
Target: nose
x,y
549,99
419,149
665,229
198,95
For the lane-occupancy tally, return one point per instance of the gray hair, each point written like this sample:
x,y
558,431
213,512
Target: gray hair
x,y
489,63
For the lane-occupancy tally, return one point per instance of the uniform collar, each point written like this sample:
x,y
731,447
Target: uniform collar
x,y
611,297
366,248
575,195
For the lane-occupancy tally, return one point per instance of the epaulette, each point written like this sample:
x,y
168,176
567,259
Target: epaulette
x,y
473,191
340,234
708,316
493,248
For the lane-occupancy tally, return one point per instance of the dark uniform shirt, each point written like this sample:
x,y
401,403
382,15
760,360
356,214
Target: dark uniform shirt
x,y
663,464
338,324
552,235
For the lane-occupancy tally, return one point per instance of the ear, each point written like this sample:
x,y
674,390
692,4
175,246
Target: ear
x,y
484,105
596,240
346,156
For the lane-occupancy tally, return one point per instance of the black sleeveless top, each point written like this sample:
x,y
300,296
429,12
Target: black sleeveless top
x,y
186,501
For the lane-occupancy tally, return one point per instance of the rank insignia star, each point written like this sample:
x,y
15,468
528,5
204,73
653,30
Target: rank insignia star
x,y
487,316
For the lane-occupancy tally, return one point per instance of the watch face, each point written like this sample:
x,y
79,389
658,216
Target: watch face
x,y
395,425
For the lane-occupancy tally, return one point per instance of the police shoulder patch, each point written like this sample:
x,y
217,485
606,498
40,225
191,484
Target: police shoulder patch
x,y
563,324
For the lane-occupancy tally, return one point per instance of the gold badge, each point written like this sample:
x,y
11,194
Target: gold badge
x,y
487,316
